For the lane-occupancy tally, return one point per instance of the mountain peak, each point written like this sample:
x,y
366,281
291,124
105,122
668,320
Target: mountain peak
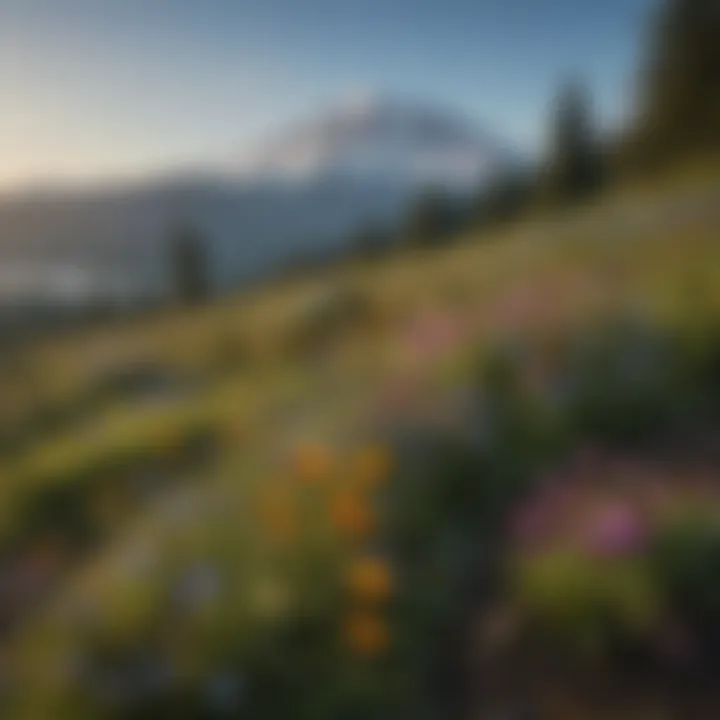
x,y
361,103
375,137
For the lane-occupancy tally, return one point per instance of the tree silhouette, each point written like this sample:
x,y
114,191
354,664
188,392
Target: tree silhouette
x,y
680,104
189,265
574,166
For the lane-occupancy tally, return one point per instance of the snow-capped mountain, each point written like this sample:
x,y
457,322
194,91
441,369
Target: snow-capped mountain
x,y
298,195
371,137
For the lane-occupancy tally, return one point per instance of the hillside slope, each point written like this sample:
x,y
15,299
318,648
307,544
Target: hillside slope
x,y
191,452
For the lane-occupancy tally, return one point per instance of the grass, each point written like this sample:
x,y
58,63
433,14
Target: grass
x,y
278,610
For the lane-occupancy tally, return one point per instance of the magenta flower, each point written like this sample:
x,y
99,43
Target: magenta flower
x,y
617,530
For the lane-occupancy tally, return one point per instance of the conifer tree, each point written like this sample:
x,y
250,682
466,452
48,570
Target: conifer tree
x,y
573,170
680,111
189,265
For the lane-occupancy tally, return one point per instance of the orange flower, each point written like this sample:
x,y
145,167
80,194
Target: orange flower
x,y
366,634
351,514
370,579
371,466
312,463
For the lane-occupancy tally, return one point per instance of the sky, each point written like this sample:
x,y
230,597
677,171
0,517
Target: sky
x,y
118,88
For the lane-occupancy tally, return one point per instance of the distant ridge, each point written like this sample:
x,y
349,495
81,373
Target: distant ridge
x,y
302,194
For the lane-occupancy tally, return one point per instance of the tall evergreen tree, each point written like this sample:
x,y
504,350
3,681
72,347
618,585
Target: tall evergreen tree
x,y
680,105
575,160
189,265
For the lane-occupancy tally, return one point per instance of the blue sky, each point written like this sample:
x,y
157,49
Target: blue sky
x,y
118,87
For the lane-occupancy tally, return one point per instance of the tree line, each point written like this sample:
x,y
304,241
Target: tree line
x,y
677,117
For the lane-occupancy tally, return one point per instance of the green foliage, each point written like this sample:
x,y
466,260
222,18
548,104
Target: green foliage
x,y
589,605
627,382
442,516
680,112
686,556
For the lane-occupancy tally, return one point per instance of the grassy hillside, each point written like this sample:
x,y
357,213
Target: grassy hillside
x,y
282,503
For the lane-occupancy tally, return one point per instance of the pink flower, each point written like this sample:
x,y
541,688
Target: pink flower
x,y
523,307
617,530
434,333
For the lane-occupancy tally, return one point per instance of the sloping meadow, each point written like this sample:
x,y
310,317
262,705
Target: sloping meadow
x,y
492,486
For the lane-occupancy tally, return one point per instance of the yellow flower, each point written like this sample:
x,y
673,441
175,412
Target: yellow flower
x,y
312,464
370,579
371,466
366,634
351,514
